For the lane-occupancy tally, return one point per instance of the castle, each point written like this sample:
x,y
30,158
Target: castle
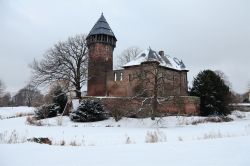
x,y
150,71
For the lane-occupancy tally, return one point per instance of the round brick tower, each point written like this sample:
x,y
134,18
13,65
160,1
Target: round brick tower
x,y
101,42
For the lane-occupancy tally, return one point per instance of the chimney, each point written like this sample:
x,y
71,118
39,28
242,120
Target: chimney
x,y
161,53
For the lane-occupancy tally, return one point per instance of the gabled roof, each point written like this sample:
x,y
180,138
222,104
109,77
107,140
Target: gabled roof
x,y
101,27
164,60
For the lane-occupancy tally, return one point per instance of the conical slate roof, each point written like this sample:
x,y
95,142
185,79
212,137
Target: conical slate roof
x,y
101,27
164,60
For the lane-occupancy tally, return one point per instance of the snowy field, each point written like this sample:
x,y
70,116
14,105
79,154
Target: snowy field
x,y
170,141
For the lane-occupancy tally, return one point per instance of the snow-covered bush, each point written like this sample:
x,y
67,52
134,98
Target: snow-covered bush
x,y
47,111
59,98
215,119
89,111
33,121
238,114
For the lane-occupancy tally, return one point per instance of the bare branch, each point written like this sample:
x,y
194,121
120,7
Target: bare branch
x,y
65,61
127,55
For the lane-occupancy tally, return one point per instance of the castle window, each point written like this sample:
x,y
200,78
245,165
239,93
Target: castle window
x,y
93,38
121,77
98,37
104,38
115,76
110,39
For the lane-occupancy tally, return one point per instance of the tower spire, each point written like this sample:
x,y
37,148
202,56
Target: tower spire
x,y
101,27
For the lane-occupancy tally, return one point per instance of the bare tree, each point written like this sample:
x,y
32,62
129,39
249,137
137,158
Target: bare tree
x,y
65,61
5,97
152,82
2,87
33,95
224,77
127,55
29,95
5,100
248,86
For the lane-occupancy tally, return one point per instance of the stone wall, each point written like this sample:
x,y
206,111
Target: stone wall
x,y
132,107
245,107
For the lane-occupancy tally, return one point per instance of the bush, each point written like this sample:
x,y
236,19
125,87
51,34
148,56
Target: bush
x,y
47,111
60,98
213,92
117,114
40,140
216,119
33,121
89,111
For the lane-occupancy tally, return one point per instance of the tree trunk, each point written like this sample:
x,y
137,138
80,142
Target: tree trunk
x,y
154,108
78,91
155,102
78,94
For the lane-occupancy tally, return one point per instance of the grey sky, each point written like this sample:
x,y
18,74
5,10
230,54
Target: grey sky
x,y
205,34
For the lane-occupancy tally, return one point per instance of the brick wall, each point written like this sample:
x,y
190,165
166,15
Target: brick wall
x,y
175,82
100,64
130,107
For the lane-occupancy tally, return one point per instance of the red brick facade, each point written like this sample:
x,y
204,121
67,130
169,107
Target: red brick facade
x,y
127,82
100,64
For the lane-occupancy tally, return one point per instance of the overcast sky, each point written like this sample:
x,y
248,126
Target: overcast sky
x,y
205,34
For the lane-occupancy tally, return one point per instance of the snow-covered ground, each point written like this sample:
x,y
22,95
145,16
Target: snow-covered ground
x,y
127,142
7,112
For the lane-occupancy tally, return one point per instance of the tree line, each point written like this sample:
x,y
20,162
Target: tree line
x,y
26,96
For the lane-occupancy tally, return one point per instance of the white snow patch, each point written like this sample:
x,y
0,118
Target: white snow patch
x,y
13,111
125,142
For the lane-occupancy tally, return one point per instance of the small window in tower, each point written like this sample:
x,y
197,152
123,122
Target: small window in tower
x,y
104,38
115,76
129,77
121,77
109,39
98,37
93,38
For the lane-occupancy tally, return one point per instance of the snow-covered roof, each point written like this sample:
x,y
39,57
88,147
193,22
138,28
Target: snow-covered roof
x,y
164,60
